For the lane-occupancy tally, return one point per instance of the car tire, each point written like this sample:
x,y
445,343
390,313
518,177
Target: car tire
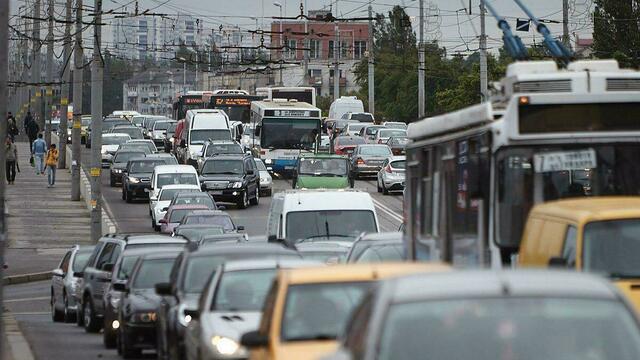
x,y
378,185
68,315
244,201
127,197
91,324
79,317
124,197
256,197
384,190
109,337
56,315
112,181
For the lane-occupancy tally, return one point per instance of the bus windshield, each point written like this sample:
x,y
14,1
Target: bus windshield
x,y
531,175
289,133
237,113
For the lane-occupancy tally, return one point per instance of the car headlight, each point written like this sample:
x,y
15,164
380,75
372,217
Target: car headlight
x,y
144,317
237,185
117,171
224,345
268,161
265,180
115,299
133,180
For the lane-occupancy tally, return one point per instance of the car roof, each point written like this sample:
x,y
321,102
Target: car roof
x,y
114,135
323,156
188,206
591,208
397,158
208,212
179,186
325,199
257,264
496,283
192,194
147,249
227,157
174,168
357,272
245,248
145,158
224,236
145,238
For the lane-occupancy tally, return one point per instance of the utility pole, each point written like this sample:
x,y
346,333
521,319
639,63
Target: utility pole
x,y
4,44
484,82
336,64
371,82
97,69
35,66
565,23
49,70
421,65
65,93
78,60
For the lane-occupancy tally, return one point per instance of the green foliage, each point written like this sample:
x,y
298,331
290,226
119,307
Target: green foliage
x,y
116,72
616,31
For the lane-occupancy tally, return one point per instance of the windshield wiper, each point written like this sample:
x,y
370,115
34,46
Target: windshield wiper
x,y
223,173
616,275
328,236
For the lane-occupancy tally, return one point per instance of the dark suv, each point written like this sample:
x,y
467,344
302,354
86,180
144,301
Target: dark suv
x,y
97,274
231,178
136,177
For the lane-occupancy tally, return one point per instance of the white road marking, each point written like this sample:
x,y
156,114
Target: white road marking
x,y
27,299
387,210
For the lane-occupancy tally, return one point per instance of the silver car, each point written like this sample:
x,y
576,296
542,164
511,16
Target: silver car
x,y
391,175
231,305
367,159
64,284
266,181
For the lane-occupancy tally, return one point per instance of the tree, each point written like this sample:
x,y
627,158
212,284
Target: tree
x,y
116,71
616,31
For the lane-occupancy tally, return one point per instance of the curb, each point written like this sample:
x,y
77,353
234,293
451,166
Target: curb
x,y
26,278
18,347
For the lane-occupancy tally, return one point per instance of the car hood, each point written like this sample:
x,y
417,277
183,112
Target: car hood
x,y
140,175
110,148
230,324
322,182
196,148
162,204
142,300
118,165
631,289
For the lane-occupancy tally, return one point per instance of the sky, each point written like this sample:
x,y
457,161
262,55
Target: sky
x,y
446,21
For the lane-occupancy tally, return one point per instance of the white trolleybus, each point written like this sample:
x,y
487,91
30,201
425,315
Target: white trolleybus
x,y
285,129
300,93
474,174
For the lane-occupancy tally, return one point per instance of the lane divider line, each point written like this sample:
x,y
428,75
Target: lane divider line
x,y
27,299
387,210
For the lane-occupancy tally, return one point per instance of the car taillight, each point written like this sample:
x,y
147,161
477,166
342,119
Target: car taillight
x,y
263,152
388,169
360,161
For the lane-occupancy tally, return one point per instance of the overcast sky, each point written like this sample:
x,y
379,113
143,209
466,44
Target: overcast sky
x,y
446,22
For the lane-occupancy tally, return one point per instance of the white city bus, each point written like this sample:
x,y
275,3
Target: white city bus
x,y
300,93
285,129
474,174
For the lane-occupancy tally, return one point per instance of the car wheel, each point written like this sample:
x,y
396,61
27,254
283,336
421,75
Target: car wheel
x,y
68,315
244,201
112,181
91,324
378,184
256,197
384,190
108,336
56,315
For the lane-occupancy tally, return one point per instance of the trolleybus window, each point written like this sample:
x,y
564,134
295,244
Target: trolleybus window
x,y
562,118
288,133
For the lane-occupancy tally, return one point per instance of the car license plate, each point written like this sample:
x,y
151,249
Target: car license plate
x,y
217,192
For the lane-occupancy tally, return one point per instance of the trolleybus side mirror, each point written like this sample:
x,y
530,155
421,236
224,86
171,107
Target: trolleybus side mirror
x,y
257,130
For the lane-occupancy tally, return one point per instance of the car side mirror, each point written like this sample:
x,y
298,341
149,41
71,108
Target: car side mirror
x,y
163,221
122,287
58,273
163,289
165,208
254,339
195,314
108,267
250,172
558,262
240,227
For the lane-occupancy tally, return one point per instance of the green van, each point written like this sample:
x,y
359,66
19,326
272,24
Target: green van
x,y
322,171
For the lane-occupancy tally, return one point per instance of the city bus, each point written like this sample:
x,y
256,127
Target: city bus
x,y
192,100
474,174
237,106
286,129
302,94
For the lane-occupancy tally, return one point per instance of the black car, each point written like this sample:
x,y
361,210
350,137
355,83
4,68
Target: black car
x,y
137,177
168,159
194,233
119,164
190,275
120,275
231,178
137,314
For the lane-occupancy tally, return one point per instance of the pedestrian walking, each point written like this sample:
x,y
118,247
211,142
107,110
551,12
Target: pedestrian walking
x,y
32,129
52,164
39,149
12,126
11,160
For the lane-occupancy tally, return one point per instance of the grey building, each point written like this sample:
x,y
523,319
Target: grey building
x,y
154,91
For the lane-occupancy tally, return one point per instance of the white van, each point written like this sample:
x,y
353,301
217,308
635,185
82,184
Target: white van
x,y
171,175
201,125
311,215
345,104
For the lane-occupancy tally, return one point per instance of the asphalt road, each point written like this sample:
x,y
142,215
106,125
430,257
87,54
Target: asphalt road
x,y
29,303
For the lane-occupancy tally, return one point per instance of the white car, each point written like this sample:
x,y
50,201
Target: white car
x,y
391,176
110,144
266,182
164,175
165,196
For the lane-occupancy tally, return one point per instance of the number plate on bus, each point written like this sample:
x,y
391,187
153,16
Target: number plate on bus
x,y
565,160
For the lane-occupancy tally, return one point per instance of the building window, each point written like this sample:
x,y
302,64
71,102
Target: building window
x,y
315,73
291,49
344,49
314,49
359,48
189,40
142,40
188,25
330,50
142,26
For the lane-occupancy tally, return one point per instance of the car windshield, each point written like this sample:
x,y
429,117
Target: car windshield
x,y
260,165
195,234
201,135
323,167
168,194
319,311
399,141
509,328
341,225
382,253
362,117
80,260
196,200
398,164
231,167
385,133
144,166
396,125
137,120
220,220
161,125
374,150
136,147
372,130
152,272
126,266
355,127
177,179
172,128
134,133
344,140
178,214
243,290
123,157
115,140
612,248
86,122
214,149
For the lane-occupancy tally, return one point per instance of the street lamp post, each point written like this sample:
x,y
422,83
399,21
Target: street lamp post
x,y
279,5
184,75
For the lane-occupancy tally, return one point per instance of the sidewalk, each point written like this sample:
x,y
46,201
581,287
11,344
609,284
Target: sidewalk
x,y
43,222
